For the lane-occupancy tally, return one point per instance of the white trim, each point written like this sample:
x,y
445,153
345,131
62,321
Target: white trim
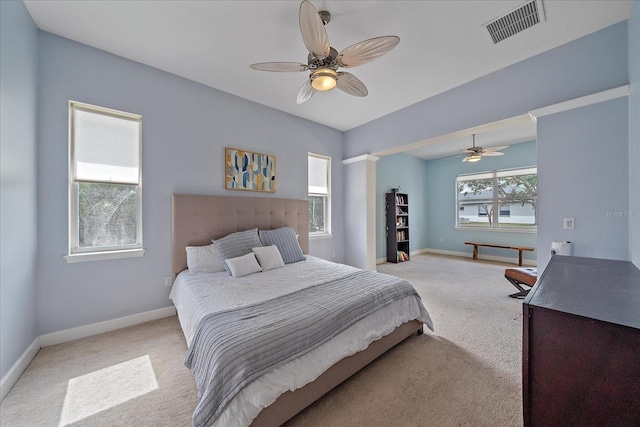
x,y
508,260
326,194
74,181
12,376
320,236
527,262
411,253
106,326
370,184
360,158
497,229
583,101
100,256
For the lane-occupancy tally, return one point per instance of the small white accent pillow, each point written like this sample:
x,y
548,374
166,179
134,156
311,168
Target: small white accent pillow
x,y
204,259
243,265
269,257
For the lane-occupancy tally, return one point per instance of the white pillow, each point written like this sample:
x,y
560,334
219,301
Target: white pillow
x,y
269,257
243,265
204,259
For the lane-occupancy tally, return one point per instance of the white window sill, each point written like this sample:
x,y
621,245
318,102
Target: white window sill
x,y
498,230
101,256
320,236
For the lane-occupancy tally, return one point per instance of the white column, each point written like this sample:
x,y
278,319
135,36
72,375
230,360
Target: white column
x,y
360,211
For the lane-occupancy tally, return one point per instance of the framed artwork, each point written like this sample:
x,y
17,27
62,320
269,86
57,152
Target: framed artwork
x,y
245,170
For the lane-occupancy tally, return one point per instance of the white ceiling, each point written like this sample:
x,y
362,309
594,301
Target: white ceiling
x,y
443,44
504,132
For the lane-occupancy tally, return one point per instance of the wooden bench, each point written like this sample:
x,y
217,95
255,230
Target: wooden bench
x,y
497,245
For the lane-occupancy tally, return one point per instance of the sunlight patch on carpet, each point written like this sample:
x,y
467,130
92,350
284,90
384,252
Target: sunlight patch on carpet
x,y
92,393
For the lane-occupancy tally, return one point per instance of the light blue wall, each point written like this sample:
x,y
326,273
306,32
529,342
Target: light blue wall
x,y
590,64
441,213
18,202
583,173
634,133
410,174
186,127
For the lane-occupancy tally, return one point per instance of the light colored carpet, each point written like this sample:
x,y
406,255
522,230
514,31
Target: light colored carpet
x,y
468,374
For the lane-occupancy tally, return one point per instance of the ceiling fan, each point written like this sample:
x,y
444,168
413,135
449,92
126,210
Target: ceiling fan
x,y
476,153
323,61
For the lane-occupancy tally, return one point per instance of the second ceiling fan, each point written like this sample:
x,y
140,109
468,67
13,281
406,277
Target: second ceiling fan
x,y
476,153
323,61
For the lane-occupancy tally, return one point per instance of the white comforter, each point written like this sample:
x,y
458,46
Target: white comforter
x,y
197,294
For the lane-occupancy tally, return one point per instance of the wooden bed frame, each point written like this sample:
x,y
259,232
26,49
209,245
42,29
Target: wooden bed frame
x,y
196,219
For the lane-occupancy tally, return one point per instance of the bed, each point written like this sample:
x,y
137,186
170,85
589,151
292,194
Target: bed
x,y
276,393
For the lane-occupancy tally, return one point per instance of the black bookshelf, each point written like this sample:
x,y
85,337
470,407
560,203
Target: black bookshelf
x,y
397,208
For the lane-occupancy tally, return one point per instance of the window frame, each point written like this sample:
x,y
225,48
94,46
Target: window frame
x,y
327,229
75,252
496,216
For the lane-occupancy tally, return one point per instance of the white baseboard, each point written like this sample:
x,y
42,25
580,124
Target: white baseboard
x,y
12,376
527,262
72,334
106,326
412,253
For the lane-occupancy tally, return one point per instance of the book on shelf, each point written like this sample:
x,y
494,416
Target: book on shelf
x,y
402,256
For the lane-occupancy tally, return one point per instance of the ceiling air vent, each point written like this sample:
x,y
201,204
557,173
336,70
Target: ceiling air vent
x,y
519,19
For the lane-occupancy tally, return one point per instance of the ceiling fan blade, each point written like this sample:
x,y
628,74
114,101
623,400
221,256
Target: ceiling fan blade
x,y
305,92
499,147
491,153
279,66
313,32
367,50
350,84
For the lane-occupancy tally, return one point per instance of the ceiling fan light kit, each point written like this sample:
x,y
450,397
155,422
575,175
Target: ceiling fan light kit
x,y
475,154
324,79
323,60
472,158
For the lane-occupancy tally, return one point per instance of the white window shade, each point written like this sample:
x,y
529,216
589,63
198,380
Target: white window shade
x,y
107,149
318,176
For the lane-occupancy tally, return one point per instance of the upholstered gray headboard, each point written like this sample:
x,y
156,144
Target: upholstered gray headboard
x,y
197,219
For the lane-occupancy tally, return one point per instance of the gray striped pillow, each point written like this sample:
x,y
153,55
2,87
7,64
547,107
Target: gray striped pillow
x,y
237,244
286,241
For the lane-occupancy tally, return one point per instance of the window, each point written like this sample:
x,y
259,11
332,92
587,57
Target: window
x,y
319,195
514,192
105,187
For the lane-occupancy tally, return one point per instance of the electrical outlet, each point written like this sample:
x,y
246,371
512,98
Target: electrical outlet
x,y
168,281
569,223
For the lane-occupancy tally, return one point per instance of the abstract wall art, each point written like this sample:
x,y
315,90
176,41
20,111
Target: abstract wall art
x,y
246,170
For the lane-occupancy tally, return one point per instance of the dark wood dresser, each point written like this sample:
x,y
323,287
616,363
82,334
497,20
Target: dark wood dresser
x,y
581,345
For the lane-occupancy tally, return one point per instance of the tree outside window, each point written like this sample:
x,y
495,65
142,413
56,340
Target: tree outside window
x,y
319,183
105,180
513,192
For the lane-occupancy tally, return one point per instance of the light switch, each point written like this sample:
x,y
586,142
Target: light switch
x,y
569,223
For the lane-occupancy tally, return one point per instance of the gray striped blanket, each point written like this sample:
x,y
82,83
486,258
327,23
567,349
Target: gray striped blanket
x,y
231,348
